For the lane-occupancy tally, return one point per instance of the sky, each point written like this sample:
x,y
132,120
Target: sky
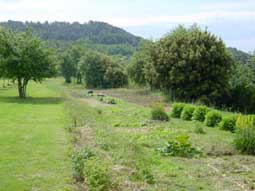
x,y
232,20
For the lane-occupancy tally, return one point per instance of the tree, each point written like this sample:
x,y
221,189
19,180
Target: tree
x,y
242,86
191,63
67,67
136,69
24,58
93,70
101,71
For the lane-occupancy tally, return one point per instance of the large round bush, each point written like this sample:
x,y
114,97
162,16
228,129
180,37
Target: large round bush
x,y
187,112
199,113
228,123
177,109
213,118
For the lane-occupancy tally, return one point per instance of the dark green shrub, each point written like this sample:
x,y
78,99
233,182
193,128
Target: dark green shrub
x,y
187,112
180,147
177,109
158,113
213,118
228,123
199,113
245,140
97,175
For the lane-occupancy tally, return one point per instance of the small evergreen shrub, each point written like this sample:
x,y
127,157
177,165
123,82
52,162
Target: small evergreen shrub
x,y
158,113
177,110
200,113
213,118
97,175
187,112
245,134
180,147
228,123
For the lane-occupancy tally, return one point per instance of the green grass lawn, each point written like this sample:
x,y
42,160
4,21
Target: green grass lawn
x,y
33,141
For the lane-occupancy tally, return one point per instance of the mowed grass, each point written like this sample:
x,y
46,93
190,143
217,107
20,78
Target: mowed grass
x,y
33,141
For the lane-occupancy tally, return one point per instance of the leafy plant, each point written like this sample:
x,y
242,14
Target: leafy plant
x,y
199,113
158,113
180,147
228,123
212,118
177,109
187,112
97,175
78,160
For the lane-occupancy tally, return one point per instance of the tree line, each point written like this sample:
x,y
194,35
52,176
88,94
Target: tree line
x,y
191,64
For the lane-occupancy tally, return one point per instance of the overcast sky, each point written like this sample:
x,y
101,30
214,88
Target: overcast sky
x,y
233,20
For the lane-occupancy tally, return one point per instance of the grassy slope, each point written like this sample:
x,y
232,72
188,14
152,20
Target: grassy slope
x,y
33,142
123,136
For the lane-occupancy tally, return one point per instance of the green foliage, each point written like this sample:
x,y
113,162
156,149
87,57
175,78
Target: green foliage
x,y
239,56
100,71
96,32
97,175
24,58
242,87
199,113
158,113
177,109
191,63
78,160
245,140
180,147
136,69
228,123
213,118
187,112
245,134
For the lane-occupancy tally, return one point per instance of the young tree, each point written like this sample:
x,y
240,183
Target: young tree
x,y
25,58
67,67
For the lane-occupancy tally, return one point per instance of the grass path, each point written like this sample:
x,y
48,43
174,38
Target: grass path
x,y
33,141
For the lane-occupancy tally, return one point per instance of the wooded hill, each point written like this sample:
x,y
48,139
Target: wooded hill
x,y
96,32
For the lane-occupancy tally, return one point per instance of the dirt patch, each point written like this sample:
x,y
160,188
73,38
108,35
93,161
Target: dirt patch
x,y
138,96
87,136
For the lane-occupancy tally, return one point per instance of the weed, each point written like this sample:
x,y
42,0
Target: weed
x,y
158,113
180,147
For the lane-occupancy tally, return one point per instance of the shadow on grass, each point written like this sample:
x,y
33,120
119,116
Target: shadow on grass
x,y
32,100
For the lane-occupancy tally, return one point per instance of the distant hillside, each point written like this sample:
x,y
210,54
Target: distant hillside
x,y
239,56
96,32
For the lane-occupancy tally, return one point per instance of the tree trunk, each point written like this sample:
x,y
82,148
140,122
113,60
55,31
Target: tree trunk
x,y
22,87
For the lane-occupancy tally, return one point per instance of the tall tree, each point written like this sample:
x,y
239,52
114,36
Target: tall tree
x,y
24,58
191,62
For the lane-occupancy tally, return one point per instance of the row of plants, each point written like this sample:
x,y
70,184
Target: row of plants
x,y
211,117
242,125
